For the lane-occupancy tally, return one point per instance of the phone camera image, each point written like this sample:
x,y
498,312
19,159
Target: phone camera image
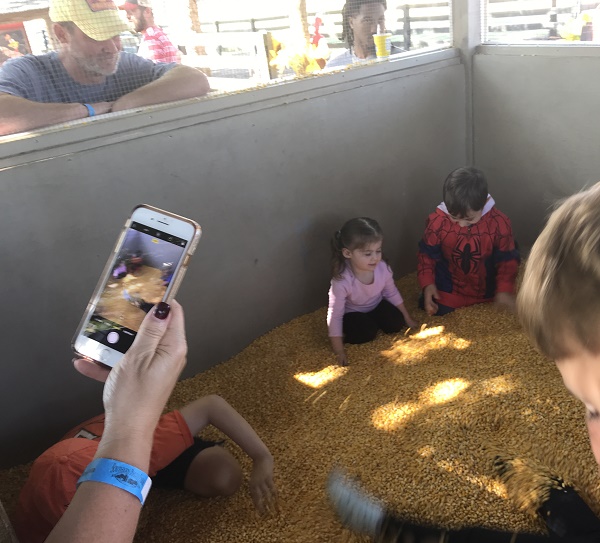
x,y
109,333
140,277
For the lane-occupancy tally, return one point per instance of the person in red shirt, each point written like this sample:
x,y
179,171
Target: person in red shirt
x,y
155,45
178,459
467,254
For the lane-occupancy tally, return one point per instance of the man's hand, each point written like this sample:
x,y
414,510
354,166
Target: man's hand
x,y
431,295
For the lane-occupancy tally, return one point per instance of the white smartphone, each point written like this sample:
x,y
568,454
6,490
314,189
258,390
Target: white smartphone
x,y
145,267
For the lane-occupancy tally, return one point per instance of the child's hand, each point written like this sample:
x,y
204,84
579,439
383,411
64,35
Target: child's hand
x,y
506,300
410,322
342,358
262,486
430,295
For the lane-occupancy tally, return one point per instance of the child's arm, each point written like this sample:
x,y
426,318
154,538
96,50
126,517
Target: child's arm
x,y
337,344
430,252
216,411
430,296
410,322
507,263
335,320
392,294
426,264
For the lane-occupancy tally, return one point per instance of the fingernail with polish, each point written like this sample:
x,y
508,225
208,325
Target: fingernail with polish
x,y
162,310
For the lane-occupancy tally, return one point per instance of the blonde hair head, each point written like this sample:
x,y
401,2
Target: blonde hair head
x,y
559,300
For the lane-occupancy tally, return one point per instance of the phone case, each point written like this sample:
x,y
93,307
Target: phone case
x,y
173,286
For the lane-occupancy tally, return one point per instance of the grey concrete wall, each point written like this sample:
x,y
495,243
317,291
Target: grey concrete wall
x,y
536,128
269,182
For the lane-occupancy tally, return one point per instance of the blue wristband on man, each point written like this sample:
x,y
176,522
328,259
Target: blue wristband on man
x,y
119,474
91,110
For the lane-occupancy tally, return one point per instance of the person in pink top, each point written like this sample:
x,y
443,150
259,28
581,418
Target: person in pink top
x,y
363,297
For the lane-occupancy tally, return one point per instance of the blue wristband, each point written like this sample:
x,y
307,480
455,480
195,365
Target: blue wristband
x,y
91,110
119,474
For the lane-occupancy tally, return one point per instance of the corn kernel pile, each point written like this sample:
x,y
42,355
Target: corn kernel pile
x,y
414,417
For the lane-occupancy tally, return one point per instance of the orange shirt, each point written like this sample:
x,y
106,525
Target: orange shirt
x,y
53,478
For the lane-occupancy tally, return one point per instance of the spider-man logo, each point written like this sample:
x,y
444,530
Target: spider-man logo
x,y
466,256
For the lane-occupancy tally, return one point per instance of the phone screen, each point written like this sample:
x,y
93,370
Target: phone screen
x,y
142,272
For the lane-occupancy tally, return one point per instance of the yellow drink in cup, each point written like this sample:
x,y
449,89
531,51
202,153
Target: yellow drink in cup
x,y
383,44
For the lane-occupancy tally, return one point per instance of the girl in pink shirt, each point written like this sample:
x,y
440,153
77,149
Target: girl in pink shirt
x,y
363,297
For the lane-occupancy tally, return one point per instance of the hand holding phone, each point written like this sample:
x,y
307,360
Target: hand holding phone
x,y
145,267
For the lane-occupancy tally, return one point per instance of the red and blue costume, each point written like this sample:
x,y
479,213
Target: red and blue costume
x,y
468,264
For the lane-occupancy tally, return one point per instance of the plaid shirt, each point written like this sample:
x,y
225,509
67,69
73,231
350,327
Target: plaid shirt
x,y
156,46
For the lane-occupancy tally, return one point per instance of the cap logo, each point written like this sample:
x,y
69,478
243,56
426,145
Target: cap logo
x,y
101,5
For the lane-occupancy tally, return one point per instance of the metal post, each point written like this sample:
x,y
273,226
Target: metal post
x,y
466,36
406,27
46,41
553,33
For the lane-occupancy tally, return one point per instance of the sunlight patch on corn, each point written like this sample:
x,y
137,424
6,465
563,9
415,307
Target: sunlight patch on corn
x,y
393,415
444,391
428,332
415,347
497,385
426,451
491,484
318,379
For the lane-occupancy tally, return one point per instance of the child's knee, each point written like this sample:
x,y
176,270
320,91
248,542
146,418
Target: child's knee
x,y
228,479
214,472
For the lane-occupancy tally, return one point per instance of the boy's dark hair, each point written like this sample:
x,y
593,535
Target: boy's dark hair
x,y
465,189
559,299
355,233
350,9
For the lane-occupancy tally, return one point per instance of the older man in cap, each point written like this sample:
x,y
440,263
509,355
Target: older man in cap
x,y
155,45
89,75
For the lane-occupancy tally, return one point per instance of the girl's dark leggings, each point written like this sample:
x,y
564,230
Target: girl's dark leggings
x,y
362,327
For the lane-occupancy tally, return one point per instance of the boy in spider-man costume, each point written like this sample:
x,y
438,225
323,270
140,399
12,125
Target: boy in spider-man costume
x,y
467,255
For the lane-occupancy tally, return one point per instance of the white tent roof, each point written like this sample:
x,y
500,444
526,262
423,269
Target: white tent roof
x,y
14,6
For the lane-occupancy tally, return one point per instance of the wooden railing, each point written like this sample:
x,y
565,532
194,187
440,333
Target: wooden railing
x,y
434,17
428,20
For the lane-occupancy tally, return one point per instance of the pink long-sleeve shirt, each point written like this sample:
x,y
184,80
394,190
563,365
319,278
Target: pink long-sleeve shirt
x,y
348,294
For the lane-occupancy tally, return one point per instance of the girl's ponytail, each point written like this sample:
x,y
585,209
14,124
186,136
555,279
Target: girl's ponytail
x,y
338,262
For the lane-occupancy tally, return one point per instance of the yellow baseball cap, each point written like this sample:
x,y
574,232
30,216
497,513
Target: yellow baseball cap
x,y
132,4
98,19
